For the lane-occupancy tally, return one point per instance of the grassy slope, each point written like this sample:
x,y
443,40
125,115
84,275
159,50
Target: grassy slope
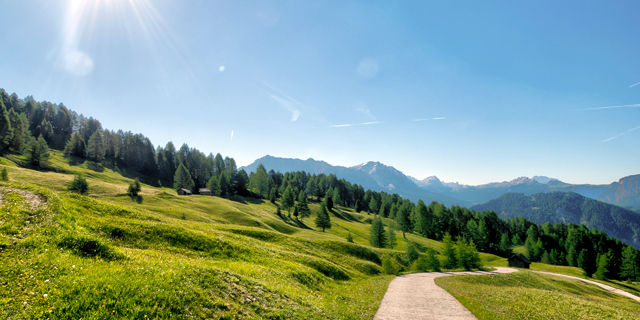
x,y
184,257
191,256
528,295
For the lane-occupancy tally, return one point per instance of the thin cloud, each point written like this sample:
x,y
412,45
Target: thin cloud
x,y
285,101
633,85
620,135
231,134
439,118
367,113
353,124
637,105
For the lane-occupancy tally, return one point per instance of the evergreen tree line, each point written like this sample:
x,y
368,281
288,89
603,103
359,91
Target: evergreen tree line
x,y
32,127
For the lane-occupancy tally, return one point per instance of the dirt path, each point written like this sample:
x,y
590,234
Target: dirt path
x,y
416,296
603,286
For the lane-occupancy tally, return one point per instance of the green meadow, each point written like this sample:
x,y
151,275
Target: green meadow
x,y
106,255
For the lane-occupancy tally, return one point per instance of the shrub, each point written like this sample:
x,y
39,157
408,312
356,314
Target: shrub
x,y
412,252
390,266
349,238
134,188
4,176
79,184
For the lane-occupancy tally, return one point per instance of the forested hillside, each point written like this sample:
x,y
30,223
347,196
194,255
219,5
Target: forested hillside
x,y
569,207
133,155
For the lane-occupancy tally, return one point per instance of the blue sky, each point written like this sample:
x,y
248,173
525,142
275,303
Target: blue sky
x,y
470,91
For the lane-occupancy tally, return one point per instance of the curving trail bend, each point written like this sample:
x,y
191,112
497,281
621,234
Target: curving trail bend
x,y
416,296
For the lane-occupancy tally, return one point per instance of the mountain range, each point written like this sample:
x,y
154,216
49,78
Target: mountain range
x,y
380,177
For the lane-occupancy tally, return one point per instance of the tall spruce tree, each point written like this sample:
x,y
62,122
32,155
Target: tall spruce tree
x,y
303,205
403,220
182,179
95,148
630,268
6,132
214,186
377,236
288,199
322,220
36,152
449,252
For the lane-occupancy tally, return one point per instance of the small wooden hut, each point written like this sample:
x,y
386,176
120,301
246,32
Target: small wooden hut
x,y
204,191
519,261
184,192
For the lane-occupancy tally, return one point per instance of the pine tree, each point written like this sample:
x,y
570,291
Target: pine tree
x,y
4,176
391,237
6,132
449,252
272,195
303,205
630,268
412,252
337,201
505,246
288,199
36,152
602,272
403,221
432,260
79,184
322,220
545,258
328,201
586,262
95,147
182,179
214,186
377,236
75,146
349,237
225,184
134,188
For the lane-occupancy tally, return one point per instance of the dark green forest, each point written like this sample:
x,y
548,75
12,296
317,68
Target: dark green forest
x,y
30,128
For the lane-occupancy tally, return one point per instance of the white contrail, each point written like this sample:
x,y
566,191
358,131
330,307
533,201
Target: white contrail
x,y
633,85
231,134
637,105
618,136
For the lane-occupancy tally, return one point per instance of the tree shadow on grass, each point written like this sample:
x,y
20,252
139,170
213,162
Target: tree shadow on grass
x,y
293,221
344,215
95,166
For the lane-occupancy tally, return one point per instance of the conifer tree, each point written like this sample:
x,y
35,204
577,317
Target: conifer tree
x,y
403,220
4,176
182,179
412,252
134,188
391,237
336,197
377,236
630,268
586,262
432,260
349,237
36,152
6,132
449,252
322,220
214,186
303,205
95,147
288,199
602,272
328,201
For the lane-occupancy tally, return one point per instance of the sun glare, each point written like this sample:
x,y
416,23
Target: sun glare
x,y
143,25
